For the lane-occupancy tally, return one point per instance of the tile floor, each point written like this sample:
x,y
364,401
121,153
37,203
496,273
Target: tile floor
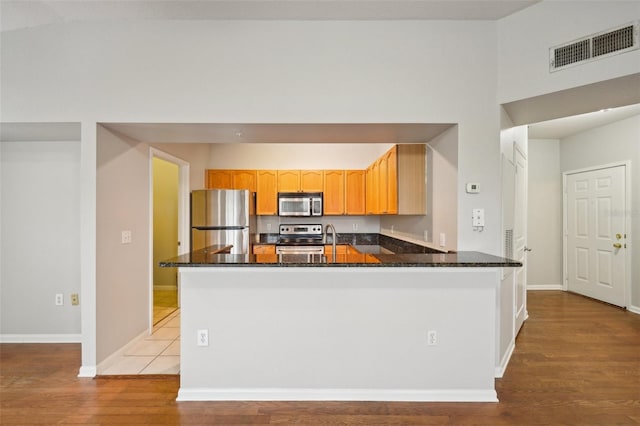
x,y
158,353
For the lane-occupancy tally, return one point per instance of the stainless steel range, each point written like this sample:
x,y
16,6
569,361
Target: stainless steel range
x,y
300,239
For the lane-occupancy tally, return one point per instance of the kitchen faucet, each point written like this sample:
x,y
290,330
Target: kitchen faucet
x,y
333,240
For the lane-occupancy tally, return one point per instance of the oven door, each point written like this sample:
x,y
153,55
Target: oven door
x,y
299,249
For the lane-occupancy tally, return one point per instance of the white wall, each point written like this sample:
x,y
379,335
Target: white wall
x,y
40,244
295,156
269,72
524,39
122,270
615,142
443,202
261,72
544,221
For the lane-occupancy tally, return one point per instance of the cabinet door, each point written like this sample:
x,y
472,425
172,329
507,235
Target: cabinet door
x,y
392,180
369,258
355,192
288,180
267,193
383,185
371,196
245,179
375,189
311,180
340,249
219,179
333,192
264,249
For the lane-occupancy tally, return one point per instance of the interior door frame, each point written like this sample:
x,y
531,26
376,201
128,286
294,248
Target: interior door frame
x,y
627,223
184,236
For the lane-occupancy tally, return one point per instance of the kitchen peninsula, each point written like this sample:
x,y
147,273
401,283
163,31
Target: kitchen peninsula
x,y
406,327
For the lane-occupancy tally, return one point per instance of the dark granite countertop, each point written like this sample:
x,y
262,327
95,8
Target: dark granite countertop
x,y
459,259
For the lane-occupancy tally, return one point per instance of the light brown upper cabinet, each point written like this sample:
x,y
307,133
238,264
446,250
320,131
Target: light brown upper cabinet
x,y
218,179
388,182
311,180
371,200
355,192
245,179
267,192
230,179
396,181
288,180
300,180
333,190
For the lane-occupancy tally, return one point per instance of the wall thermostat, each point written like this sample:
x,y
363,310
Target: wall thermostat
x,y
473,188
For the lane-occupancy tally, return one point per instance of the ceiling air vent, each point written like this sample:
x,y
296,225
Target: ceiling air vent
x,y
596,46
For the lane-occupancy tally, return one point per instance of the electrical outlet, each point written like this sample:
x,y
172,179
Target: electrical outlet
x,y
203,337
442,240
268,227
59,299
126,237
75,300
392,229
432,338
426,235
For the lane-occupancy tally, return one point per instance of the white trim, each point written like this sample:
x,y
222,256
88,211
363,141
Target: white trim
x,y
500,369
184,235
443,395
41,338
628,222
634,309
114,357
88,243
545,287
87,371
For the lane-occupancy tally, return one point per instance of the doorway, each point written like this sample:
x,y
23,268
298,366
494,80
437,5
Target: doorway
x,y
169,195
595,222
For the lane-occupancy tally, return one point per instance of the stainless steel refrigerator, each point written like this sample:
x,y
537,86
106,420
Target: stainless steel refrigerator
x,y
222,217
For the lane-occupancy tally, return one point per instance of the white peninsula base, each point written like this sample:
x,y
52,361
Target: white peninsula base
x,y
338,333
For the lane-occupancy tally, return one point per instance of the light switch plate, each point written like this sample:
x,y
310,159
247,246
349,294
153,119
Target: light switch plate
x,y
478,217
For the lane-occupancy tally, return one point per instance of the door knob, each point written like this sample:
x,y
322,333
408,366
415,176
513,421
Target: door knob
x,y
617,245
527,248
618,236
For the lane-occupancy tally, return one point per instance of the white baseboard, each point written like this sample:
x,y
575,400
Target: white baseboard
x,y
87,371
634,309
114,357
40,338
500,369
544,287
442,395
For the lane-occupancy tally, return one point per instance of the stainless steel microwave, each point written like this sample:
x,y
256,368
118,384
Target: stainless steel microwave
x,y
299,203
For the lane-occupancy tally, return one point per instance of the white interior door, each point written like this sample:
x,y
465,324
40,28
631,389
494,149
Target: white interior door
x,y
520,237
595,234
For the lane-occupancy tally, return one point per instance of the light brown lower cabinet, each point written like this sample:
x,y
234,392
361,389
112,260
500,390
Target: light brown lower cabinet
x,y
264,249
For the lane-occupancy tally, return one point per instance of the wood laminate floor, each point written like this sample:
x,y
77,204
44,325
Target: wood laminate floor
x,y
577,361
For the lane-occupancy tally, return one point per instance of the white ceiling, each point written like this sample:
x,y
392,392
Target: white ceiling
x,y
16,14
